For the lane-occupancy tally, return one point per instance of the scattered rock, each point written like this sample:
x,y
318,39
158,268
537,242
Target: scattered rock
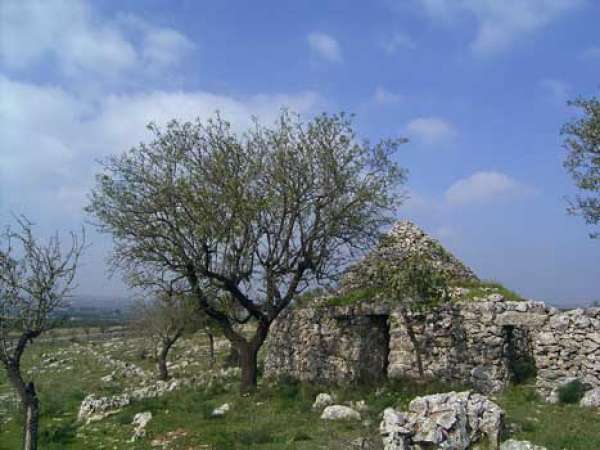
x,y
221,410
361,442
512,444
323,400
140,420
94,408
340,412
450,420
591,399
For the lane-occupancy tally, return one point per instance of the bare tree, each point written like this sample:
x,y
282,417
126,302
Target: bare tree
x,y
163,319
35,279
259,217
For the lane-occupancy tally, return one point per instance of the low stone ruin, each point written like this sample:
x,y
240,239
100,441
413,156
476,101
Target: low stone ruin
x,y
478,342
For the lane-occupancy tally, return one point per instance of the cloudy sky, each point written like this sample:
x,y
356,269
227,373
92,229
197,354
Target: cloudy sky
x,y
478,86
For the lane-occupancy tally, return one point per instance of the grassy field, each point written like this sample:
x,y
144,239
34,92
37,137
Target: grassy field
x,y
277,416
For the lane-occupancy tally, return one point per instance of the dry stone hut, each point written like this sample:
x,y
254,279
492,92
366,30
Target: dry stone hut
x,y
480,339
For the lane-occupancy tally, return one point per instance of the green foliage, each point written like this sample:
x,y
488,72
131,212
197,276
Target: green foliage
x,y
523,370
355,296
483,288
419,285
582,142
571,392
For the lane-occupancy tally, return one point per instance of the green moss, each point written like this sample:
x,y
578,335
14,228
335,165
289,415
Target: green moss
x,y
354,297
479,289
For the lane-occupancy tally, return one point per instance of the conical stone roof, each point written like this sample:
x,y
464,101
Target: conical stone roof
x,y
405,239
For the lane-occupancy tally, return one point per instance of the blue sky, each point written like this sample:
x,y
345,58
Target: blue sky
x,y
478,86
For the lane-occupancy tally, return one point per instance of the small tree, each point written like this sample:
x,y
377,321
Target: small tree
x,y
35,279
582,141
164,319
418,285
257,217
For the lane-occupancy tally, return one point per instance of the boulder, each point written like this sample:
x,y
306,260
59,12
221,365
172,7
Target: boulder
x,y
591,399
340,412
322,400
449,420
140,420
221,410
94,408
511,444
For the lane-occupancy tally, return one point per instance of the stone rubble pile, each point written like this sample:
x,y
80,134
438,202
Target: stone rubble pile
x,y
448,421
405,239
95,408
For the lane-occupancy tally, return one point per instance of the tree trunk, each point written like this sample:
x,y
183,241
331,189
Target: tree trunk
x,y
30,427
249,366
29,402
211,347
161,361
249,357
163,372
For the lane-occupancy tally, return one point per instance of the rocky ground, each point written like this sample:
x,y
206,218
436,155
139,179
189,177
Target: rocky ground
x,y
102,394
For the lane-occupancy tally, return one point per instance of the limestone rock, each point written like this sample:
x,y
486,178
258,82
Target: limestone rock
x,y
322,400
221,410
340,412
591,399
512,444
449,420
94,408
140,420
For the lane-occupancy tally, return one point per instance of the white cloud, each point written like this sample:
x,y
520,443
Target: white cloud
x,y
398,41
384,97
558,90
431,130
325,46
51,138
71,36
500,23
483,187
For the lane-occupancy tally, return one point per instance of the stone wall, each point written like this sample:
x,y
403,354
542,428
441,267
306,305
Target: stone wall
x,y
474,343
568,346
328,345
479,339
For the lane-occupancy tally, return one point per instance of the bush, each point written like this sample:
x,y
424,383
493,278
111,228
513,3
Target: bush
x,y
523,370
571,392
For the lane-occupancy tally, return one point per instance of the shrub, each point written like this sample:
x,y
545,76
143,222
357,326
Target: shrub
x,y
523,370
571,392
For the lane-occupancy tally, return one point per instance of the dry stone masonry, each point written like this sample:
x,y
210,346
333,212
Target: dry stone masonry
x,y
479,342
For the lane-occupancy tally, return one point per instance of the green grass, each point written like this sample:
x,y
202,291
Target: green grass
x,y
277,416
479,289
556,427
354,297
